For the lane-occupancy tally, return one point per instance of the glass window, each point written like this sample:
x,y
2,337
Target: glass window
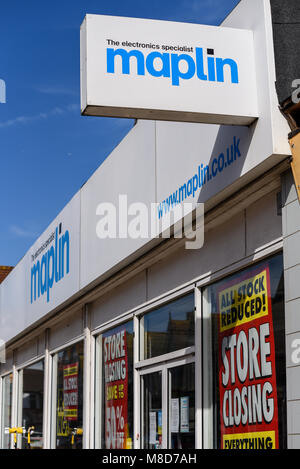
x,y
7,386
248,358
168,328
115,385
182,406
69,405
32,403
169,421
152,418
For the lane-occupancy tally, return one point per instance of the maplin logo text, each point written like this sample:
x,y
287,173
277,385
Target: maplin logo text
x,y
176,66
53,266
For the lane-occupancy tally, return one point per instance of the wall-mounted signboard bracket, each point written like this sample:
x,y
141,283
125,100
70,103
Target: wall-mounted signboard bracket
x,y
291,112
294,139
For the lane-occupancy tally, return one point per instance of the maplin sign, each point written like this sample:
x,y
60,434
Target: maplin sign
x,y
170,65
53,265
162,70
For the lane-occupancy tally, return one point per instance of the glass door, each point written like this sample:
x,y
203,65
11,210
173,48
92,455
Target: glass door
x,y
168,406
152,412
31,396
181,428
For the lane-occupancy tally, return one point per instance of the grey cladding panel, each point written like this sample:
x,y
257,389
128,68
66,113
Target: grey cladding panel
x,y
285,11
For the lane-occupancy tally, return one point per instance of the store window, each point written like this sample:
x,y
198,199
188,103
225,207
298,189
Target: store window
x,y
31,381
168,381
114,388
69,397
168,328
246,331
7,387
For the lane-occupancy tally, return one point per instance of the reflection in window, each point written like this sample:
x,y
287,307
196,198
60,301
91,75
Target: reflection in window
x,y
7,385
32,403
69,407
168,328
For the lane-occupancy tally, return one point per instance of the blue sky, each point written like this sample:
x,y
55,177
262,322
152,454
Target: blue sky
x,y
47,150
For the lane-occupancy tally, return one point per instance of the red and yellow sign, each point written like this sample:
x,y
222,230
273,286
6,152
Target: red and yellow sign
x,y
116,390
247,374
71,391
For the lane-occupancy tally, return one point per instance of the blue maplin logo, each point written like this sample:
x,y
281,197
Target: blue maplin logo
x,y
53,266
205,66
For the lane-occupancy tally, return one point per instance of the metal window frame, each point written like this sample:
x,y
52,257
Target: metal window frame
x,y
163,367
97,389
19,370
134,315
6,375
87,372
161,359
30,362
15,389
165,362
164,299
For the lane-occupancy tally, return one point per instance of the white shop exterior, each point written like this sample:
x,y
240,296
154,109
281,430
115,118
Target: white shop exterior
x,y
130,340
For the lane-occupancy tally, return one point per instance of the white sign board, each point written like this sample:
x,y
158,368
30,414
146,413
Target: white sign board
x,y
46,276
163,70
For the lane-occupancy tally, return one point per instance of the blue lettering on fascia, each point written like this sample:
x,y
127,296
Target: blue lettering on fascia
x,y
205,67
203,176
51,268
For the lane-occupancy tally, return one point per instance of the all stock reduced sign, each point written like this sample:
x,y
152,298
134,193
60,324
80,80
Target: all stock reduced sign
x,y
70,388
246,364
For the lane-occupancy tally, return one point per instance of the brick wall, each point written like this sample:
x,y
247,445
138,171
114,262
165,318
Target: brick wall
x,y
4,271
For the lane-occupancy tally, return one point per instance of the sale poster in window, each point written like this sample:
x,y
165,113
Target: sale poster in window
x,y
70,391
116,389
246,363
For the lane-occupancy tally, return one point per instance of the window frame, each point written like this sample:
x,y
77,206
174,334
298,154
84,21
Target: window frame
x,y
6,375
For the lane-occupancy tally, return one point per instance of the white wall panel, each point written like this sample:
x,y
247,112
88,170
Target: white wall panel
x,y
66,330
119,300
130,171
222,246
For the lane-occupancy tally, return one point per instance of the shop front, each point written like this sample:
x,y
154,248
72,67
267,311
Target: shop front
x,y
174,356
136,342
